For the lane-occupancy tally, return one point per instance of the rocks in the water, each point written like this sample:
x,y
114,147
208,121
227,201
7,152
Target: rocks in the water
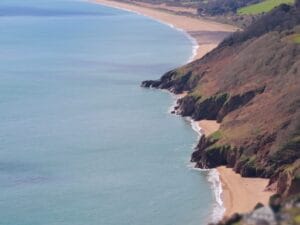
x,y
150,83
250,84
173,81
186,105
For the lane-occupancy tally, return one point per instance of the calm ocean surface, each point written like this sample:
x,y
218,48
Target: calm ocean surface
x,y
80,142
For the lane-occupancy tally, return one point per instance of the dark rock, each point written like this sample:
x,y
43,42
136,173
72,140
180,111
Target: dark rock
x,y
210,155
234,219
209,108
274,202
258,205
202,144
150,83
186,106
172,81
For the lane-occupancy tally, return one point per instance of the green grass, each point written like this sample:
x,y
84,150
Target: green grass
x,y
216,135
236,223
262,7
297,219
296,38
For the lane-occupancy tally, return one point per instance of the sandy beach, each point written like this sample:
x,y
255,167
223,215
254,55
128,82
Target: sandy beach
x,y
208,34
241,194
208,126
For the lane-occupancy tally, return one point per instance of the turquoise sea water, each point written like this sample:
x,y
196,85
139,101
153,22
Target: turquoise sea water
x,y
80,142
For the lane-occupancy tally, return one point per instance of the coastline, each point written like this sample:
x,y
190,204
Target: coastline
x,y
230,189
240,194
232,192
205,35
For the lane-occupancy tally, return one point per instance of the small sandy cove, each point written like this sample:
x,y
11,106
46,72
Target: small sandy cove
x,y
239,194
208,126
208,34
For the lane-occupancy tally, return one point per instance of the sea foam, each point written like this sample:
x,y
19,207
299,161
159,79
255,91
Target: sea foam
x,y
213,175
213,178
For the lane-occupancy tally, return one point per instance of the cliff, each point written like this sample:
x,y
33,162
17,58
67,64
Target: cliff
x,y
250,84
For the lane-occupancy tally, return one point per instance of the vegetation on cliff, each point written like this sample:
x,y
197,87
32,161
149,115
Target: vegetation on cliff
x,y
262,7
220,7
296,38
251,84
240,13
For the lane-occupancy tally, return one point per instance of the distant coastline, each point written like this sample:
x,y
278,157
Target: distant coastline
x,y
207,35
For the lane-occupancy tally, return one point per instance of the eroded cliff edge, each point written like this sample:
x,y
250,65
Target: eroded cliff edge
x,y
251,84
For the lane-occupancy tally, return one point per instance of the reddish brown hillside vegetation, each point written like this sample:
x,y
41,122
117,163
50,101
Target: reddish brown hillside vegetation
x,y
251,84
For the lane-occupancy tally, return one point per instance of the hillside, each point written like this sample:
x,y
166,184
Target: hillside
x,y
225,11
262,7
240,13
212,7
250,84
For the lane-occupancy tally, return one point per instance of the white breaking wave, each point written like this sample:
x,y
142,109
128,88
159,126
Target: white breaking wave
x,y
213,175
213,178
218,207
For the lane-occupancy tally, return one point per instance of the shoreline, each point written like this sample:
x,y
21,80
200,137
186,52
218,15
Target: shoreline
x,y
240,194
228,186
205,35
232,192
220,204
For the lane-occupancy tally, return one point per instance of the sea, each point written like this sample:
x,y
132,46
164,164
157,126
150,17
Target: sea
x,y
81,143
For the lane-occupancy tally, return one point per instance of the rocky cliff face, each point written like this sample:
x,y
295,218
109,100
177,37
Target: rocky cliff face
x,y
250,84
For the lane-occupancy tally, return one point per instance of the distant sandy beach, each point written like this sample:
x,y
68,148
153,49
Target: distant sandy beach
x,y
208,34
239,194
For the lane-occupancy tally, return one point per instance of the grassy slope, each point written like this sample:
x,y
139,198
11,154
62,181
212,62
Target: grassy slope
x,y
262,7
296,38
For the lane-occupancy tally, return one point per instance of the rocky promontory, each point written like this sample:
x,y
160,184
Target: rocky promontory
x,y
250,84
